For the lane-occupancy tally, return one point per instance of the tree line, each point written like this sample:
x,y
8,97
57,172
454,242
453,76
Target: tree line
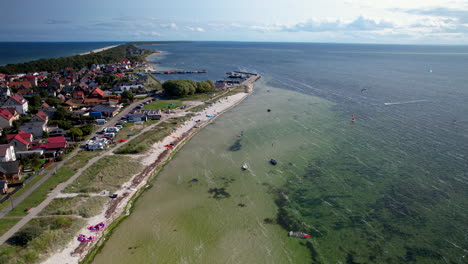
x,y
108,56
181,88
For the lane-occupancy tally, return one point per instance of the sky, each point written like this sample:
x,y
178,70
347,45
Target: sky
x,y
348,21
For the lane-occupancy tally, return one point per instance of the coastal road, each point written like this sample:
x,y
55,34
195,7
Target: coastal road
x,y
58,165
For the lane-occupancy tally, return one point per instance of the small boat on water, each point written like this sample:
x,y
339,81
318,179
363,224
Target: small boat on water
x,y
245,166
298,234
273,162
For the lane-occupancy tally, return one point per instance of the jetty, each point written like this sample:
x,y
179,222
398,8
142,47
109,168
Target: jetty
x,y
236,78
178,72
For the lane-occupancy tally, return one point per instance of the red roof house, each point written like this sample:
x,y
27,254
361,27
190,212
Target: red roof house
x,y
7,116
21,141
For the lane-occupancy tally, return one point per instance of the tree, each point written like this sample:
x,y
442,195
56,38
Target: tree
x,y
75,133
127,95
205,86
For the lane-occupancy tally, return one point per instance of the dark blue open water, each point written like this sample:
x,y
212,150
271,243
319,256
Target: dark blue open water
x,y
16,52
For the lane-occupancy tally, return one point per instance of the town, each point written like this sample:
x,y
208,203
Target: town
x,y
44,114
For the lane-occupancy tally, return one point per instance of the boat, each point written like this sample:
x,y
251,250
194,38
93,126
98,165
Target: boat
x,y
97,227
83,238
273,162
245,166
298,234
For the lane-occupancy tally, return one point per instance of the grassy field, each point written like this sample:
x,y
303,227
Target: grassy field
x,y
82,205
144,141
60,176
162,104
35,241
7,223
109,173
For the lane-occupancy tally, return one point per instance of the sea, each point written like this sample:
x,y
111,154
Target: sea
x,y
390,186
18,52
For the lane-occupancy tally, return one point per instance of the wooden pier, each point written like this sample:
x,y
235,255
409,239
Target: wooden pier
x,y
179,72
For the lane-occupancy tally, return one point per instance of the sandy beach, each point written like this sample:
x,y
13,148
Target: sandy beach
x,y
99,50
75,251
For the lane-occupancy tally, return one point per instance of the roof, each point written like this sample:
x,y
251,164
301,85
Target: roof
x,y
10,167
105,108
5,113
22,137
3,149
45,104
18,98
42,116
98,91
56,139
27,84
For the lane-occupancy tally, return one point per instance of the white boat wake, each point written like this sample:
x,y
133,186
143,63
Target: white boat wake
x,y
406,102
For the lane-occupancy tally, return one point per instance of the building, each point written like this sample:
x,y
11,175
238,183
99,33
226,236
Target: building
x,y
106,110
7,116
18,102
7,153
10,171
153,114
21,141
37,125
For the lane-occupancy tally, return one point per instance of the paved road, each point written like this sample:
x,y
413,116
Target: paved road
x,y
58,165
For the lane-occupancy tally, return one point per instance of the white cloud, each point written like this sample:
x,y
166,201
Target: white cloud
x,y
196,29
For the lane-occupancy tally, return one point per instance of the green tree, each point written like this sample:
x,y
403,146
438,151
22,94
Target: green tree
x,y
127,95
75,133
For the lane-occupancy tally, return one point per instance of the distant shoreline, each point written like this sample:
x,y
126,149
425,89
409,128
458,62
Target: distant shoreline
x,y
99,50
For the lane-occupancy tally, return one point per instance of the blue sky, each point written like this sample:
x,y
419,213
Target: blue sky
x,y
348,21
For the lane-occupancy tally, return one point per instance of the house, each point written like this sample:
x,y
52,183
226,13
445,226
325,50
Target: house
x,y
10,171
78,95
137,117
18,102
37,125
35,128
5,93
97,93
7,116
56,84
24,91
7,153
153,114
40,117
21,141
106,110
56,132
53,146
2,77
49,110
16,85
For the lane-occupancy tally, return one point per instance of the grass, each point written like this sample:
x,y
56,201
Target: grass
x,y
108,173
60,176
82,205
7,223
36,240
144,141
162,104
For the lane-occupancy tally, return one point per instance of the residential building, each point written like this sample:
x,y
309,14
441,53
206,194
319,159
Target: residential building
x,y
7,153
18,102
7,116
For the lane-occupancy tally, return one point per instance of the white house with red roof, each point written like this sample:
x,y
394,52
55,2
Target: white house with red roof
x,y
7,153
18,102
21,141
7,116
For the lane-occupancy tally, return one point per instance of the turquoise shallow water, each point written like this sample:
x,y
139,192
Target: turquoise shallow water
x,y
390,187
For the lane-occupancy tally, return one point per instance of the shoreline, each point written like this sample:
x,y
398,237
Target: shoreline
x,y
98,50
155,159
